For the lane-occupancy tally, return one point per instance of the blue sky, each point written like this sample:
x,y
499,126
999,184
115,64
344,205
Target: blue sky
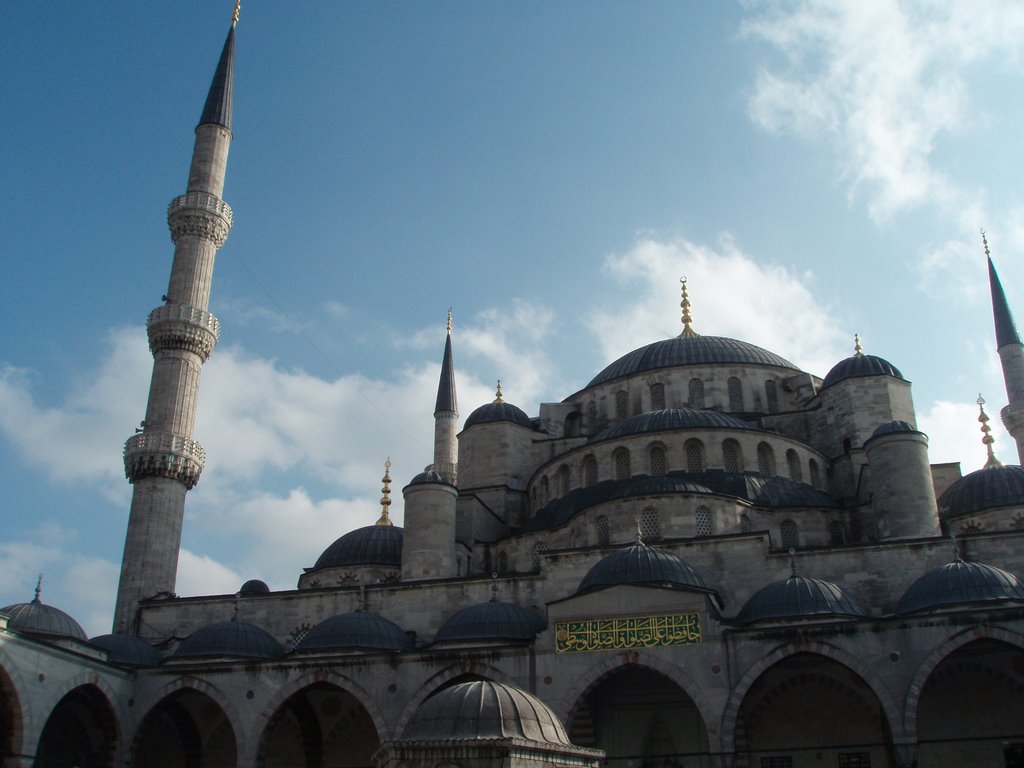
x,y
548,170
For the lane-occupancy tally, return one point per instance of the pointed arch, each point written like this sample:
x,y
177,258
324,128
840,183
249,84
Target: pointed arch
x,y
81,730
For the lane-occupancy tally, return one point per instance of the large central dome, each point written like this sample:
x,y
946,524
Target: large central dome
x,y
689,350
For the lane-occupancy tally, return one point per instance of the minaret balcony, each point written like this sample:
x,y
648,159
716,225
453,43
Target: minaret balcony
x,y
180,326
163,454
199,214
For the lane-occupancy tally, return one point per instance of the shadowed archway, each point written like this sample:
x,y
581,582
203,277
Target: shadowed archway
x,y
187,729
81,732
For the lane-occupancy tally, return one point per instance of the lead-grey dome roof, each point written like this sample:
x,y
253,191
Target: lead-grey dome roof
x,y
670,419
491,621
798,597
860,365
642,564
359,629
502,411
254,587
960,583
688,350
484,710
369,545
37,618
987,488
235,639
128,650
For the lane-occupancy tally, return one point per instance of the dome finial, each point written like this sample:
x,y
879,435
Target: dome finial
x,y
858,349
234,16
238,605
992,461
385,499
39,588
497,393
449,321
688,331
984,242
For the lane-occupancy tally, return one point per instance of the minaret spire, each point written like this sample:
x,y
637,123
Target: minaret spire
x,y
162,461
1011,356
687,318
385,498
987,439
446,414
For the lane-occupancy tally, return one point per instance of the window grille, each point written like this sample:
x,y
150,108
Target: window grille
x,y
563,480
854,760
650,526
502,562
603,531
703,520
589,471
538,553
621,461
731,456
621,404
772,396
657,397
837,531
765,460
795,472
790,535
745,525
696,393
735,394
591,415
658,464
694,456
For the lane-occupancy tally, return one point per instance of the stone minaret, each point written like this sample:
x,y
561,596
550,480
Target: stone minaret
x,y
446,415
1011,355
162,461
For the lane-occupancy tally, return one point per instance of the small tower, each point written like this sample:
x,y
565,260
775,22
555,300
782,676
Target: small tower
x,y
446,416
1011,356
161,460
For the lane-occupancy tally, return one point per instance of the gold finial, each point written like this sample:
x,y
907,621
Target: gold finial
x,y
385,499
234,16
449,321
858,349
984,241
497,394
688,331
992,461
39,588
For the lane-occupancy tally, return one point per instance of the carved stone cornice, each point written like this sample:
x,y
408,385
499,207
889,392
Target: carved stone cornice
x,y
180,326
199,214
163,454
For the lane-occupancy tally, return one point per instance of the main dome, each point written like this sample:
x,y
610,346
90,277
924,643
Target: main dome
x,y
689,350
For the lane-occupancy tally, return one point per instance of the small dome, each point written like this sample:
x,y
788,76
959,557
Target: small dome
x,y
498,412
778,492
688,350
960,583
429,477
238,639
128,650
987,488
370,545
858,366
491,621
641,564
254,587
894,427
484,710
37,618
359,629
798,597
672,419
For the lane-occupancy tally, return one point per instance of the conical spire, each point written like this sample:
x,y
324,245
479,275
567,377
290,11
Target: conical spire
x,y
446,402
217,109
1006,331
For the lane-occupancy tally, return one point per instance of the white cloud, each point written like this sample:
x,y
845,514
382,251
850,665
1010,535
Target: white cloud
x,y
202,575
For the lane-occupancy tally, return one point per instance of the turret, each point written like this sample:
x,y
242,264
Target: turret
x,y
161,460
446,416
1011,356
902,492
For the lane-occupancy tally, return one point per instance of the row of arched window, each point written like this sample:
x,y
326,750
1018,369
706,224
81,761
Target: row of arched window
x,y
695,398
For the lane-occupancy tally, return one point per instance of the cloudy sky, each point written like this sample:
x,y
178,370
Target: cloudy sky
x,y
548,170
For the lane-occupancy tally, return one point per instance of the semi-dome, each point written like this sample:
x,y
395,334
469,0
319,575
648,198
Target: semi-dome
x,y
988,488
491,621
429,477
484,710
498,411
254,587
858,366
236,639
128,650
360,629
798,597
37,618
688,350
960,583
670,419
370,545
642,564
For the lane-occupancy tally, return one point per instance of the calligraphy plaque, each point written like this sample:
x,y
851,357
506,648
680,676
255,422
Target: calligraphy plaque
x,y
627,632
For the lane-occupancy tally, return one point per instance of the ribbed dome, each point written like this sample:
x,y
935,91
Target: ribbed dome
x,y
893,428
429,477
37,618
359,629
498,412
688,350
860,365
491,621
254,587
798,597
370,545
672,419
988,488
128,650
484,710
960,583
237,639
641,564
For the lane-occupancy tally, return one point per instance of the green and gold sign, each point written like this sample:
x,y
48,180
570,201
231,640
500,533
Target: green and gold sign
x,y
632,632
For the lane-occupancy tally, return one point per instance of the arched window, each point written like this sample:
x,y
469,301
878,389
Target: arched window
x,y
658,464
745,525
650,526
703,521
621,404
790,535
589,471
771,394
621,461
657,397
696,393
731,458
735,394
502,562
694,456
765,460
603,531
793,462
812,468
837,532
563,480
545,491
538,553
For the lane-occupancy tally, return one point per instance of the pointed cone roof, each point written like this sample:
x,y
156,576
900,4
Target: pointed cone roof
x,y
1006,331
217,109
446,401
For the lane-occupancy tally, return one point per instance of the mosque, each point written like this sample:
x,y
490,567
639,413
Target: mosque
x,y
705,557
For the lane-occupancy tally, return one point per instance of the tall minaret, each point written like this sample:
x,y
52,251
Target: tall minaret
x,y
1011,355
162,461
446,415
